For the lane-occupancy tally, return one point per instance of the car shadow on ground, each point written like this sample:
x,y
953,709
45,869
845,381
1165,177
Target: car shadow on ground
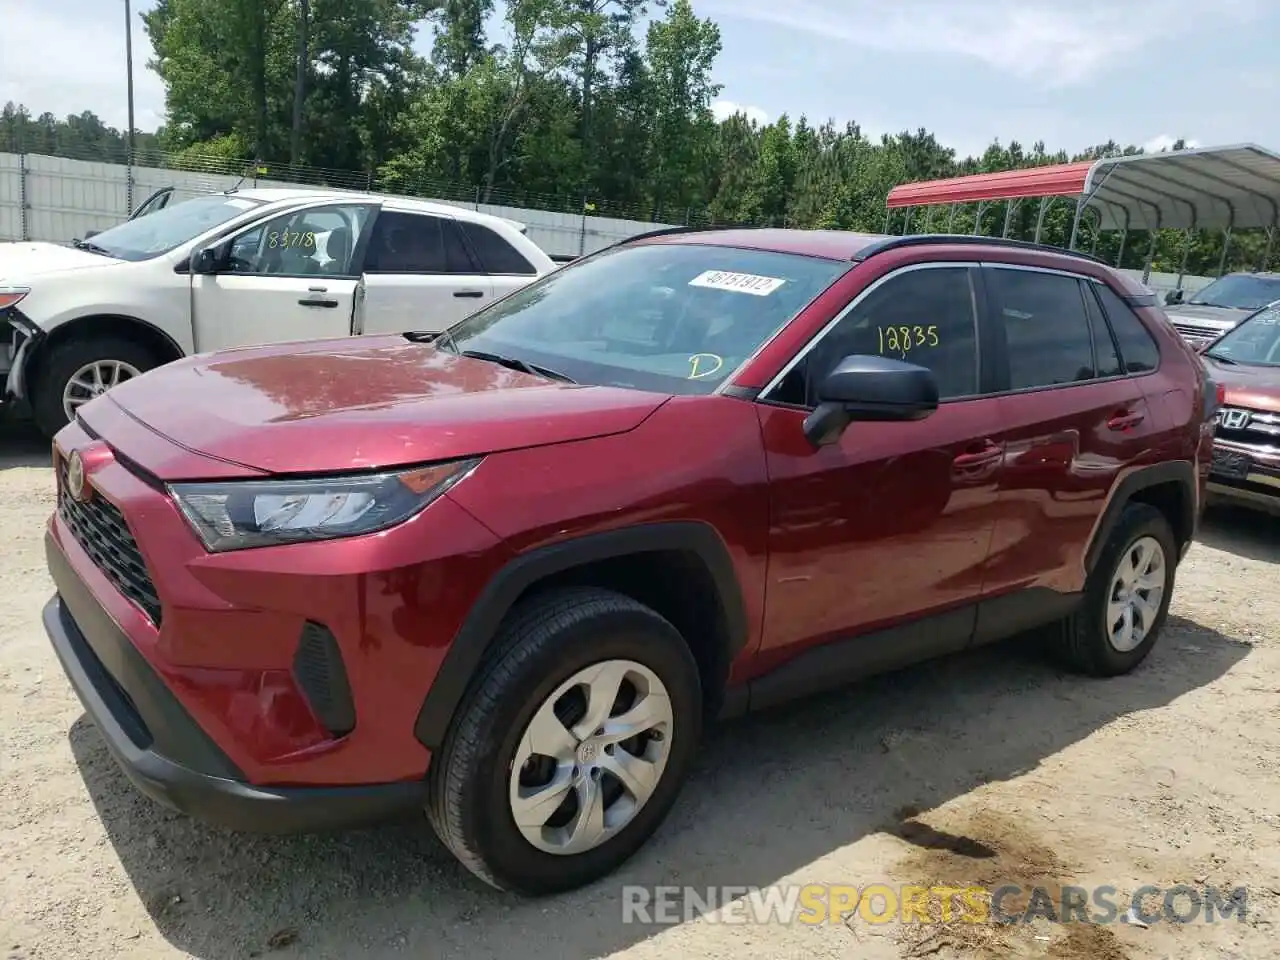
x,y
22,445
1247,533
772,793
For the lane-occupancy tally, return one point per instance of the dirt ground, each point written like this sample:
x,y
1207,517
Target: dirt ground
x,y
992,768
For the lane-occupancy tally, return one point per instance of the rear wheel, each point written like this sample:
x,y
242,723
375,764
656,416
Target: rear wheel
x,y
1126,598
80,370
571,749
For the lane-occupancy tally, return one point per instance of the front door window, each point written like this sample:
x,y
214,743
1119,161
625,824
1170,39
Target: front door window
x,y
318,241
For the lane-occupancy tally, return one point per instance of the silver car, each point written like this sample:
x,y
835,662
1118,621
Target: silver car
x,y
1213,310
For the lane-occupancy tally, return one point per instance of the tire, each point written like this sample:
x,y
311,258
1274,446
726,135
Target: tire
x,y
63,363
544,644
1084,642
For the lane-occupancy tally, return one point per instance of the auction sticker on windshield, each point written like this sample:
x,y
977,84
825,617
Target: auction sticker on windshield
x,y
737,282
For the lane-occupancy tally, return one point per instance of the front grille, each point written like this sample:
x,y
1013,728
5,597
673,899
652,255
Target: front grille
x,y
1259,429
100,529
1195,331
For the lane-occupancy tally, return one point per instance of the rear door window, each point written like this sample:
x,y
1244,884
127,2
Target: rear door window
x,y
1045,327
416,243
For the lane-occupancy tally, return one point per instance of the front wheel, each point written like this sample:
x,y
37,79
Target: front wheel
x,y
570,749
80,370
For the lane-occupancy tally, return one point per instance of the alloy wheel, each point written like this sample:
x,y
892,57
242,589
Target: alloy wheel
x,y
93,380
1137,590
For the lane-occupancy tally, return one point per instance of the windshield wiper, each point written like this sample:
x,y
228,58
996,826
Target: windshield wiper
x,y
91,247
1220,358
515,363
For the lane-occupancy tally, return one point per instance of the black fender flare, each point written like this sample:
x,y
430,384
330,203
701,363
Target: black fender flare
x,y
1182,472
480,629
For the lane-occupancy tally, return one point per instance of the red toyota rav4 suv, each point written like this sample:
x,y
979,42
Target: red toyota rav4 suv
x,y
506,573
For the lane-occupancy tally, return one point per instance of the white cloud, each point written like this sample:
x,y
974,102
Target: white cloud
x,y
1054,43
723,109
65,61
1164,141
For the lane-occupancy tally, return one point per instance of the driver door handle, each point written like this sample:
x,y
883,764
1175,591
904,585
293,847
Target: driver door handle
x,y
1123,420
468,293
317,301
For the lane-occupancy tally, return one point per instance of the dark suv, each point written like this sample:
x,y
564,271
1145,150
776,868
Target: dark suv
x,y
505,573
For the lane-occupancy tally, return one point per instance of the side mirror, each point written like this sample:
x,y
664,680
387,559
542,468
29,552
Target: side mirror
x,y
873,389
205,261
1174,297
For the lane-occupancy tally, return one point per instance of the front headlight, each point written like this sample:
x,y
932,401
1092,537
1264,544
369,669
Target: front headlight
x,y
237,514
12,296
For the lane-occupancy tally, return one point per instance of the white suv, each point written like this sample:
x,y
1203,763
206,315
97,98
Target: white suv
x,y
241,268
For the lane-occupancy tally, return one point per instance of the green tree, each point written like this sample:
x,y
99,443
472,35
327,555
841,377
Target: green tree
x,y
227,68
681,49
570,111
460,38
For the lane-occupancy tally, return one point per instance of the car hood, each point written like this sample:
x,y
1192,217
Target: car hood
x,y
1229,316
21,260
1257,388
354,404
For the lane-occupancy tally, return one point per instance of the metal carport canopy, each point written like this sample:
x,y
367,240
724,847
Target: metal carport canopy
x,y
1236,187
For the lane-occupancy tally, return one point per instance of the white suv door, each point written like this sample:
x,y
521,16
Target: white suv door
x,y
292,277
419,274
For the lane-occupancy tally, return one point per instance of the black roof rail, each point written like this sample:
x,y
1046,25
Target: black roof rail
x,y
671,231
965,239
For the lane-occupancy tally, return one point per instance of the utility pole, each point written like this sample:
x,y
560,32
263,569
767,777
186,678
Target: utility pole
x,y
128,60
300,83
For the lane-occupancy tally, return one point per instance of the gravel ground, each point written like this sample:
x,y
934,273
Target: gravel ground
x,y
988,768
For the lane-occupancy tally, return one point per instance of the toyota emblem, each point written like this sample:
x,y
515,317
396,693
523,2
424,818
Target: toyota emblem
x,y
75,477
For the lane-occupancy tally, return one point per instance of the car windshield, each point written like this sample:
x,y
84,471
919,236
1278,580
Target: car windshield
x,y
671,317
169,227
1241,291
1255,342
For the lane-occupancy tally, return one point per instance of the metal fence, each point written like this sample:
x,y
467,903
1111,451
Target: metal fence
x,y
58,199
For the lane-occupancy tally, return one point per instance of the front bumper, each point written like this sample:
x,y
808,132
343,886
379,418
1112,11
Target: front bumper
x,y
22,337
1245,476
161,748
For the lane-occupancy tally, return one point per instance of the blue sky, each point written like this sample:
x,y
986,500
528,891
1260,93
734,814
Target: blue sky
x,y
1070,72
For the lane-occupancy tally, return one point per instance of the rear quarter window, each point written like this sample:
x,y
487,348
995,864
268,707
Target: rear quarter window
x,y
495,254
1138,349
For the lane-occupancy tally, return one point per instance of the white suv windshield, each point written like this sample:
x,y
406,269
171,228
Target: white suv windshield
x,y
673,317
171,227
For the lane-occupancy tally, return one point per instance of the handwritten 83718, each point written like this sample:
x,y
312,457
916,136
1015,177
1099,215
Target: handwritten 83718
x,y
284,238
